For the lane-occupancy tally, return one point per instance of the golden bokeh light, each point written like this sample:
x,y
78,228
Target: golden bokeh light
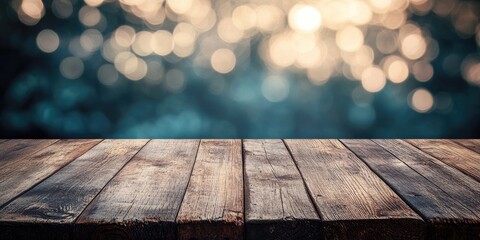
x,y
162,42
471,70
89,16
124,36
421,100
223,60
413,46
373,79
396,69
422,71
31,11
47,41
142,43
228,32
305,18
349,39
366,40
244,17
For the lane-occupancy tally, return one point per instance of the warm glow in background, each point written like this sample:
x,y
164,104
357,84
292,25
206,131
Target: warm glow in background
x,y
278,68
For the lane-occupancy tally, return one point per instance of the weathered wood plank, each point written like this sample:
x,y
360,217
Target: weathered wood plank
x,y
19,148
452,154
354,202
213,204
143,199
3,140
20,174
432,188
277,205
473,144
48,210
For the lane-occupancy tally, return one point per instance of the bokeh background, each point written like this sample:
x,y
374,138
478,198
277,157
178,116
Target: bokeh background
x,y
240,69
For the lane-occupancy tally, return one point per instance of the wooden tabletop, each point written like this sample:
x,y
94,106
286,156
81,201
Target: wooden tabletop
x,y
239,189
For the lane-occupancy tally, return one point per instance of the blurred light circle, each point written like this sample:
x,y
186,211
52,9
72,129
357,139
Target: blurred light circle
x,y
349,39
373,79
91,40
421,100
223,60
396,69
71,67
471,70
244,17
162,42
275,88
422,71
303,17
124,36
89,16
107,74
413,46
48,41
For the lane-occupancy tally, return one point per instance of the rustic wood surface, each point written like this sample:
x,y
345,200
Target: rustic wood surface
x,y
22,171
19,148
473,144
234,189
432,188
270,173
213,204
348,193
143,200
62,197
452,154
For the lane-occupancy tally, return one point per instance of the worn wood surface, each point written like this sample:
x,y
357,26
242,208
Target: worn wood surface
x,y
143,200
15,149
62,197
451,153
213,204
223,189
19,173
473,144
270,173
3,140
352,200
426,184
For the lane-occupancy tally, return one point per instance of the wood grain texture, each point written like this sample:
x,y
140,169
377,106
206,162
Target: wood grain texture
x,y
213,204
143,199
429,186
354,202
19,174
473,144
19,148
277,205
53,205
3,140
452,154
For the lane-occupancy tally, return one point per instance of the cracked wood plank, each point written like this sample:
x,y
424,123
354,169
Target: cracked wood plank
x,y
48,210
453,154
19,174
277,205
213,204
353,201
143,199
15,149
446,198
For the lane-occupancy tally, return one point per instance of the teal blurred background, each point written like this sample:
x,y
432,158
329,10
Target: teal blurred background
x,y
240,69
